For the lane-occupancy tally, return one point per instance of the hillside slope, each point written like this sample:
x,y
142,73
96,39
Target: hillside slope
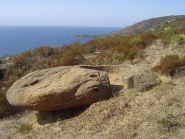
x,y
158,113
173,24
145,25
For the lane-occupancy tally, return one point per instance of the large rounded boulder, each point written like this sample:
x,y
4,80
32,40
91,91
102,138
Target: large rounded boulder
x,y
59,88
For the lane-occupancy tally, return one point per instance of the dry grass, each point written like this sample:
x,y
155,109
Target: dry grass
x,y
25,128
158,113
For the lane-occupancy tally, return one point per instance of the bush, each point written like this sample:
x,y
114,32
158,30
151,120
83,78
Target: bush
x,y
72,57
103,58
23,63
68,61
182,30
168,64
91,48
168,32
5,107
176,38
117,57
136,41
40,64
131,55
148,38
44,51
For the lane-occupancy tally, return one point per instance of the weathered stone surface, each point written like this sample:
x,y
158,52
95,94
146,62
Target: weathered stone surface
x,y
139,78
59,88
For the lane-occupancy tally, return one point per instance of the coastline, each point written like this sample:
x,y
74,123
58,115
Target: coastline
x,y
86,36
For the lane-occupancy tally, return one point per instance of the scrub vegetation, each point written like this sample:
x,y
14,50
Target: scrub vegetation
x,y
134,112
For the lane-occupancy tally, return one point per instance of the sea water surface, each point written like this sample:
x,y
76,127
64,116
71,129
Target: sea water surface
x,y
16,39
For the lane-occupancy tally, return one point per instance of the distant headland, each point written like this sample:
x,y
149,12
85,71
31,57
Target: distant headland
x,y
87,36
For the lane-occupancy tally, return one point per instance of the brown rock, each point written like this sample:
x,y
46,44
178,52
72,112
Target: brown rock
x,y
59,88
139,78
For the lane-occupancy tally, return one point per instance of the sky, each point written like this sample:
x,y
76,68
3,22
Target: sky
x,y
99,13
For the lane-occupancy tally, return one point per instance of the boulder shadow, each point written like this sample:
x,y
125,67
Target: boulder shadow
x,y
116,88
46,117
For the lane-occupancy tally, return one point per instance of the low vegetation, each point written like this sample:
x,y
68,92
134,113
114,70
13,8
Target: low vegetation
x,y
169,63
137,112
25,128
158,24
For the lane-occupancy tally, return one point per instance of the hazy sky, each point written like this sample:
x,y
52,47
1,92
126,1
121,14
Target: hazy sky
x,y
107,13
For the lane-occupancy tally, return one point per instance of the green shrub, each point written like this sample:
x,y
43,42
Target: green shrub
x,y
167,32
117,57
91,48
168,64
131,55
136,41
176,38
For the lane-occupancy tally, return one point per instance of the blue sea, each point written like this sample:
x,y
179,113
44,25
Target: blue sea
x,y
16,39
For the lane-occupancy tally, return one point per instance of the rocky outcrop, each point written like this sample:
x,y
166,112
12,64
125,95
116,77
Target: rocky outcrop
x,y
59,88
75,86
139,78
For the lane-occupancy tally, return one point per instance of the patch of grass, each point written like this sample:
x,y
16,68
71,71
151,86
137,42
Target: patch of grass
x,y
25,128
8,137
169,122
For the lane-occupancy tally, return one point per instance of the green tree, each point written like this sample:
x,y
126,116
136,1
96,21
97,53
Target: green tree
x,y
131,55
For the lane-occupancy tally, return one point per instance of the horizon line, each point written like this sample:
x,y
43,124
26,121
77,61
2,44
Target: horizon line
x,y
55,26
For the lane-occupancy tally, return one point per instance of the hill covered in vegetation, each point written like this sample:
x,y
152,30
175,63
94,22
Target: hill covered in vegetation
x,y
172,24
143,26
